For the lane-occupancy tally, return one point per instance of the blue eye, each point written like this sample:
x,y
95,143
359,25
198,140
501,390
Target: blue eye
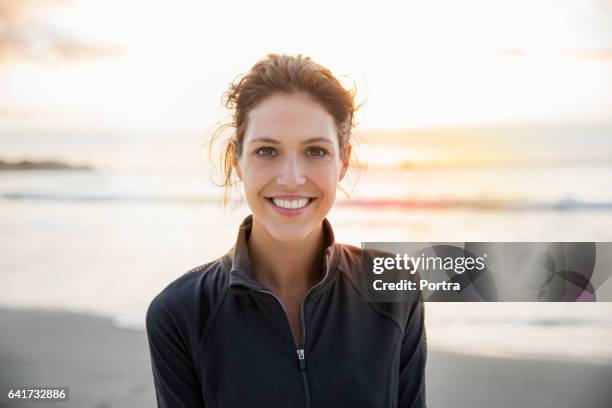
x,y
266,152
317,152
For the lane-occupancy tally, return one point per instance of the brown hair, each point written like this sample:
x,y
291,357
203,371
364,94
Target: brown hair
x,y
281,74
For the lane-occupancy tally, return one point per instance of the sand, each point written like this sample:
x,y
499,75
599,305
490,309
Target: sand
x,y
106,366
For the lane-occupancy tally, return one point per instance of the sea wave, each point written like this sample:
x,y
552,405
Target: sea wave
x,y
481,204
565,204
99,198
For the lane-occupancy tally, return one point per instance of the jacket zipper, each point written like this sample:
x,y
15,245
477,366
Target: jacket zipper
x,y
299,350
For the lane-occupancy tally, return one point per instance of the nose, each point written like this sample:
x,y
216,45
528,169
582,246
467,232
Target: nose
x,y
291,173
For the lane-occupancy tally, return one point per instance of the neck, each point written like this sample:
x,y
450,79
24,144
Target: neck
x,y
286,267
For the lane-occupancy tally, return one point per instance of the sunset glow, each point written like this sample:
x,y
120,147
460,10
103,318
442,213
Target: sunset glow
x,y
115,65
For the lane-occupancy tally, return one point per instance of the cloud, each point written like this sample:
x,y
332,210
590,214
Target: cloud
x,y
513,53
11,113
23,37
597,55
604,54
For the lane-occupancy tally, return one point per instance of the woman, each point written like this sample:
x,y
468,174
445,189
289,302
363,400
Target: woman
x,y
279,321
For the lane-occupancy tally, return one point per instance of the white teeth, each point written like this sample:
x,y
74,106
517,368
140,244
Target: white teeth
x,y
292,204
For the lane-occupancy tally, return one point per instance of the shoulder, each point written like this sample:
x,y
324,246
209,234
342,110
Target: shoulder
x,y
187,302
355,254
356,264
354,261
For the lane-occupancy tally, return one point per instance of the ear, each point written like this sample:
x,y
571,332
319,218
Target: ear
x,y
235,160
345,161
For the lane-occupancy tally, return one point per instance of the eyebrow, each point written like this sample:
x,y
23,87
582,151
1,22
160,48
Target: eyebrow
x,y
305,142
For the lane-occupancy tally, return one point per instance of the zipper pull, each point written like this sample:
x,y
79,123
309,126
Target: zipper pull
x,y
301,359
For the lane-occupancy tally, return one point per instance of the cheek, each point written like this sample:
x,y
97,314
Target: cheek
x,y
326,180
252,180
253,176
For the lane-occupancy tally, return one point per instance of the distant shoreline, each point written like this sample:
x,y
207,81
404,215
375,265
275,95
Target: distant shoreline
x,y
40,165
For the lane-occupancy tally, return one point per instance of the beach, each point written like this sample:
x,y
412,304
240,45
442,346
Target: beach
x,y
489,126
106,367
105,242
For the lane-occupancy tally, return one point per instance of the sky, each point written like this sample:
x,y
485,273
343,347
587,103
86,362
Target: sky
x,y
112,66
164,65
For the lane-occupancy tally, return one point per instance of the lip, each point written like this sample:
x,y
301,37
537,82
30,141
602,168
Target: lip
x,y
289,196
291,212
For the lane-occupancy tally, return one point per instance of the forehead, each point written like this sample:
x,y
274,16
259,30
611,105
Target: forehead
x,y
290,118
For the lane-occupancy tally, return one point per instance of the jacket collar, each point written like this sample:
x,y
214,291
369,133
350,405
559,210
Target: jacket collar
x,y
241,273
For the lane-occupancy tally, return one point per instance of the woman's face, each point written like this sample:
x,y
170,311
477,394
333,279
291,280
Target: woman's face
x,y
290,165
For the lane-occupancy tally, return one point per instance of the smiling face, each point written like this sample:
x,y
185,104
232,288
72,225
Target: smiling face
x,y
290,165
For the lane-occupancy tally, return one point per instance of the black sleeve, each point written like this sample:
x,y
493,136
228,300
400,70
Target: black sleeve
x,y
412,360
176,382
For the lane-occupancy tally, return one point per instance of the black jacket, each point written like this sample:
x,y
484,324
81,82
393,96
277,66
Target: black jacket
x,y
218,338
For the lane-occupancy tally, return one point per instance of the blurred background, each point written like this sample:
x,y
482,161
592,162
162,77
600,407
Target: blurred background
x,y
483,121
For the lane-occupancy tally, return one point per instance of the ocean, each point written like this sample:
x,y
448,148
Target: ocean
x,y
105,241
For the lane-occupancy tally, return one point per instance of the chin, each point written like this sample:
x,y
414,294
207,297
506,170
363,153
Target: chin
x,y
288,232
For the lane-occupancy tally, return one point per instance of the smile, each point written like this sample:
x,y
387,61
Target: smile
x,y
290,206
